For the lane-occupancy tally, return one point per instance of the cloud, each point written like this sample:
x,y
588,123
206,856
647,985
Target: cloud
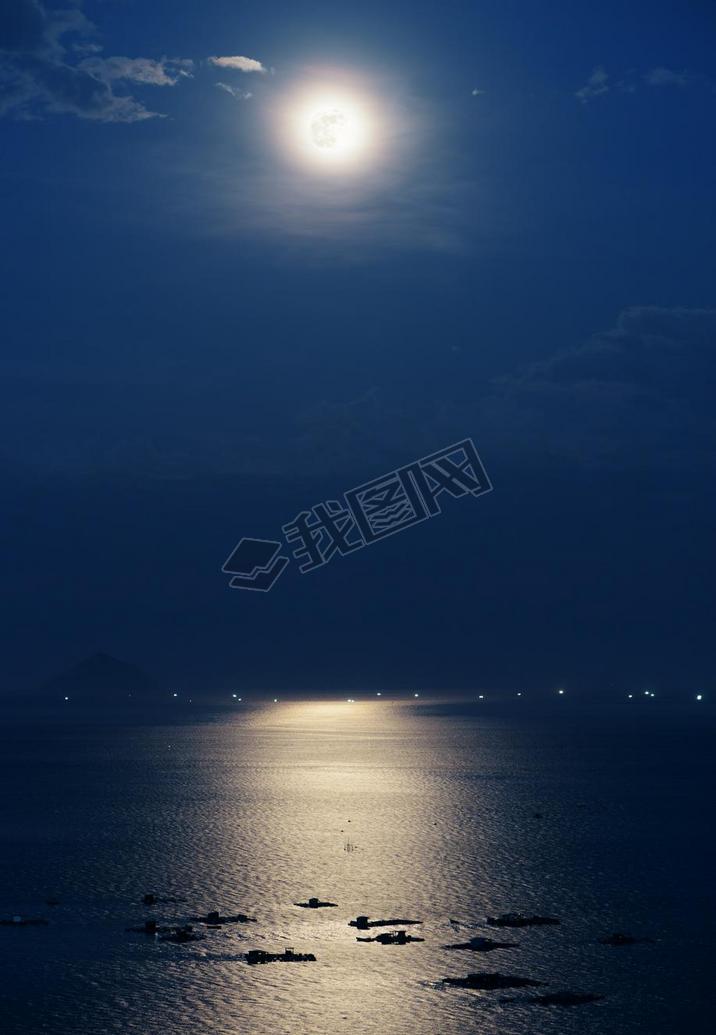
x,y
146,71
240,95
241,64
596,85
639,394
666,77
599,83
478,93
37,77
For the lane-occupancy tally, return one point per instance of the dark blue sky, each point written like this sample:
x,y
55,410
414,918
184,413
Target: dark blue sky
x,y
202,336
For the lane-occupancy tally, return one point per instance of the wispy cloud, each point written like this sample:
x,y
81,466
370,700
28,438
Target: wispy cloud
x,y
596,85
241,64
667,77
600,83
240,95
478,93
638,393
146,71
40,73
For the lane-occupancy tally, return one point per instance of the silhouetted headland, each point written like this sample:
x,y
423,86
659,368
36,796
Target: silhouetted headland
x,y
100,679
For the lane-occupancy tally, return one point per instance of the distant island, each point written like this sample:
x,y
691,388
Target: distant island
x,y
100,679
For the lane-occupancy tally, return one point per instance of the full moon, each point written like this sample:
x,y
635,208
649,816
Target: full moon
x,y
331,128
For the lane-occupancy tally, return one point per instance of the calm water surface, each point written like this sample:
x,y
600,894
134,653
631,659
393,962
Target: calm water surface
x,y
387,810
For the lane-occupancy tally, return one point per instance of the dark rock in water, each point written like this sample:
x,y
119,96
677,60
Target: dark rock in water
x,y
315,903
23,921
363,923
566,998
488,982
520,920
215,919
392,938
182,935
622,939
482,945
254,956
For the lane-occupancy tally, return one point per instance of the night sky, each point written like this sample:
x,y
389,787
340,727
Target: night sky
x,y
204,334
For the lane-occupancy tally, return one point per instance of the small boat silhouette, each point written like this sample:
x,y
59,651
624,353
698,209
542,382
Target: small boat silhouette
x,y
215,919
482,945
364,922
315,903
392,938
254,956
520,920
490,981
182,935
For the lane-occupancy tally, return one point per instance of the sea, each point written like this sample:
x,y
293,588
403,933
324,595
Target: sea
x,y
444,812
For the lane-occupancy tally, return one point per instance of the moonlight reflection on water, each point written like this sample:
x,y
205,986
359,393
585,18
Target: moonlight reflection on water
x,y
256,812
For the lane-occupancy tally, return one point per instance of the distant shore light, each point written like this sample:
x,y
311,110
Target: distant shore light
x,y
699,697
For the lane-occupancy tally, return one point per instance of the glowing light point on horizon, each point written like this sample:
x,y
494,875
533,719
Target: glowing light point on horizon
x,y
560,691
699,697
